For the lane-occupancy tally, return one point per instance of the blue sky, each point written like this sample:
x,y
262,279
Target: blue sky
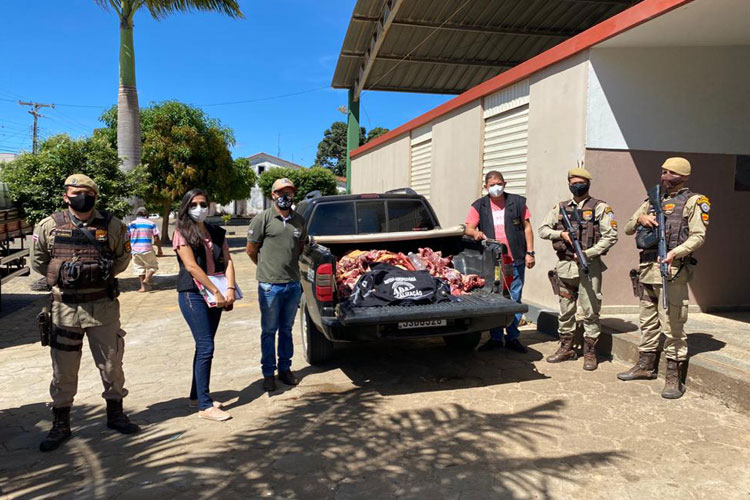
x,y
66,52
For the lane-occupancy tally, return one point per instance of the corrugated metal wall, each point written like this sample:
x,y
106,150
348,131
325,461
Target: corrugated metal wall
x,y
506,135
421,160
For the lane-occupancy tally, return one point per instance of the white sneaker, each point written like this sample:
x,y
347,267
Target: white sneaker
x,y
215,414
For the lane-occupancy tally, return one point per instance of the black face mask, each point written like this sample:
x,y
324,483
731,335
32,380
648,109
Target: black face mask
x,y
284,202
82,203
671,181
579,188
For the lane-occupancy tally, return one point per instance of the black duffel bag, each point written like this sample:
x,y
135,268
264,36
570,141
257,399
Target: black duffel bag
x,y
386,285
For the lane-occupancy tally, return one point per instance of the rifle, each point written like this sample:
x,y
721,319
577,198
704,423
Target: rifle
x,y
582,261
654,197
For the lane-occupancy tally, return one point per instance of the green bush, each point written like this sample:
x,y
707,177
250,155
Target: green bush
x,y
304,179
36,181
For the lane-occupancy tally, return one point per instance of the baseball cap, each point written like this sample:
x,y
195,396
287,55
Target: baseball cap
x,y
281,184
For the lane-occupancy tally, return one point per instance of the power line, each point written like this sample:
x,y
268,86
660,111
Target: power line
x,y
228,103
35,113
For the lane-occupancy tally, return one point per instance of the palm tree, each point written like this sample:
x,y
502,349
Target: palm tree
x,y
128,114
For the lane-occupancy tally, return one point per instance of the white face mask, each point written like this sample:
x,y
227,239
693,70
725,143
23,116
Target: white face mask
x,y
198,214
496,190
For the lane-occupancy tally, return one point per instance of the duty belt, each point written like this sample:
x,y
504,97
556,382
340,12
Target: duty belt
x,y
78,298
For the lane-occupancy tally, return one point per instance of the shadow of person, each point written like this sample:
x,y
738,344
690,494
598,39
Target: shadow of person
x,y
703,342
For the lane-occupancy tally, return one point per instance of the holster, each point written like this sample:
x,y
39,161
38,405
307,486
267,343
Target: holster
x,y
554,281
44,321
559,288
636,283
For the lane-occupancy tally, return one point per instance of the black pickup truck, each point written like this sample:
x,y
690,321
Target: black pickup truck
x,y
398,222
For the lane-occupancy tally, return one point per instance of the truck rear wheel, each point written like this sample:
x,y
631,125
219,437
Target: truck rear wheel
x,y
317,348
464,341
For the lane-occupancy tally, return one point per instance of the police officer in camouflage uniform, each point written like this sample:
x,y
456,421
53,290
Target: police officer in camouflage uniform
x,y
596,230
80,250
686,215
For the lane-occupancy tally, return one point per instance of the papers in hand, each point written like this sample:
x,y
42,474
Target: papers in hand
x,y
220,280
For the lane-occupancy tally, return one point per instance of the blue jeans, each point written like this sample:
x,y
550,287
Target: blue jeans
x,y
278,308
203,322
516,289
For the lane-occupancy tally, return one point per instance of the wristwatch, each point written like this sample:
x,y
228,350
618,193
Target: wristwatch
x,y
532,253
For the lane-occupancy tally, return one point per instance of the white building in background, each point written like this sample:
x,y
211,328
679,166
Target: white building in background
x,y
260,162
7,157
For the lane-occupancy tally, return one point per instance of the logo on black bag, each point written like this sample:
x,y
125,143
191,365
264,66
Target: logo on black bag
x,y
402,288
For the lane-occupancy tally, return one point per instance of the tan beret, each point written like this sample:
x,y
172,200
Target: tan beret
x,y
677,165
579,172
281,184
80,180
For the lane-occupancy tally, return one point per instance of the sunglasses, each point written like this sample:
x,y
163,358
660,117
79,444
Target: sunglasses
x,y
202,204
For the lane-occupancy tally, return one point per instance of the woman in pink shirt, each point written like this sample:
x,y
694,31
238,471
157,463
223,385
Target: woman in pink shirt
x,y
202,250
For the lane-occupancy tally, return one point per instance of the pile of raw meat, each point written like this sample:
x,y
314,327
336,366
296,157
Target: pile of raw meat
x,y
354,264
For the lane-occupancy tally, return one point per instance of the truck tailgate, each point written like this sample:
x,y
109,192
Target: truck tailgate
x,y
475,305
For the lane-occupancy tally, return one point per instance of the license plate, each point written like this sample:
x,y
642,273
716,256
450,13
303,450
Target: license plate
x,y
405,325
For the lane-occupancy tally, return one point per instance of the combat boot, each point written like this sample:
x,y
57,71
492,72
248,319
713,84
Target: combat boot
x,y
644,368
673,386
590,363
117,420
60,429
565,351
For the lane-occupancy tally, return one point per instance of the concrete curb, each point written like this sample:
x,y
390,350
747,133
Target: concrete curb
x,y
707,376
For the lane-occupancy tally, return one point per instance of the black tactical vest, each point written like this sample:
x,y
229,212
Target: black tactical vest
x,y
185,281
81,256
586,229
514,210
677,230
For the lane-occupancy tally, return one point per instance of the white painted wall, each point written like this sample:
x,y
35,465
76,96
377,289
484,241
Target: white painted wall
x,y
557,125
690,99
382,168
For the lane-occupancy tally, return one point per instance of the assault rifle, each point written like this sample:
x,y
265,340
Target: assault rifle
x,y
654,197
582,261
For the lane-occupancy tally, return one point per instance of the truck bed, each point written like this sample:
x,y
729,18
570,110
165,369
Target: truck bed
x,y
480,303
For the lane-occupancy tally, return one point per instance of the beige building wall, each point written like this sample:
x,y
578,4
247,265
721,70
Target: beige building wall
x,y
557,129
720,280
456,163
383,168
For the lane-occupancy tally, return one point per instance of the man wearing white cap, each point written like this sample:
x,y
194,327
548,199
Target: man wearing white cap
x,y
686,215
274,242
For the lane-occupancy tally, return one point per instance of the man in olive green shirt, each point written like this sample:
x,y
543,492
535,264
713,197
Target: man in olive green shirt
x,y
274,242
80,250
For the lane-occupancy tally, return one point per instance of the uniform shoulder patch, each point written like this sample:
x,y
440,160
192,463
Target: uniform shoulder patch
x,y
704,204
614,224
608,210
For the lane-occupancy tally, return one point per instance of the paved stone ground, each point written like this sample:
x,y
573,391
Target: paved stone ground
x,y
399,420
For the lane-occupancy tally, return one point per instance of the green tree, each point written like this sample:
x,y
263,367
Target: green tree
x,y
376,132
305,179
332,149
242,180
35,181
183,148
128,128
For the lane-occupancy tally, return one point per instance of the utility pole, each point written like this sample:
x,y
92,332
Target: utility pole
x,y
35,113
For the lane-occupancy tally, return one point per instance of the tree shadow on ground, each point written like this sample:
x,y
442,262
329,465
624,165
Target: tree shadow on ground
x,y
325,446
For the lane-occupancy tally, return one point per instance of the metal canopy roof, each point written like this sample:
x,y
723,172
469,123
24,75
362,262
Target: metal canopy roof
x,y
450,46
